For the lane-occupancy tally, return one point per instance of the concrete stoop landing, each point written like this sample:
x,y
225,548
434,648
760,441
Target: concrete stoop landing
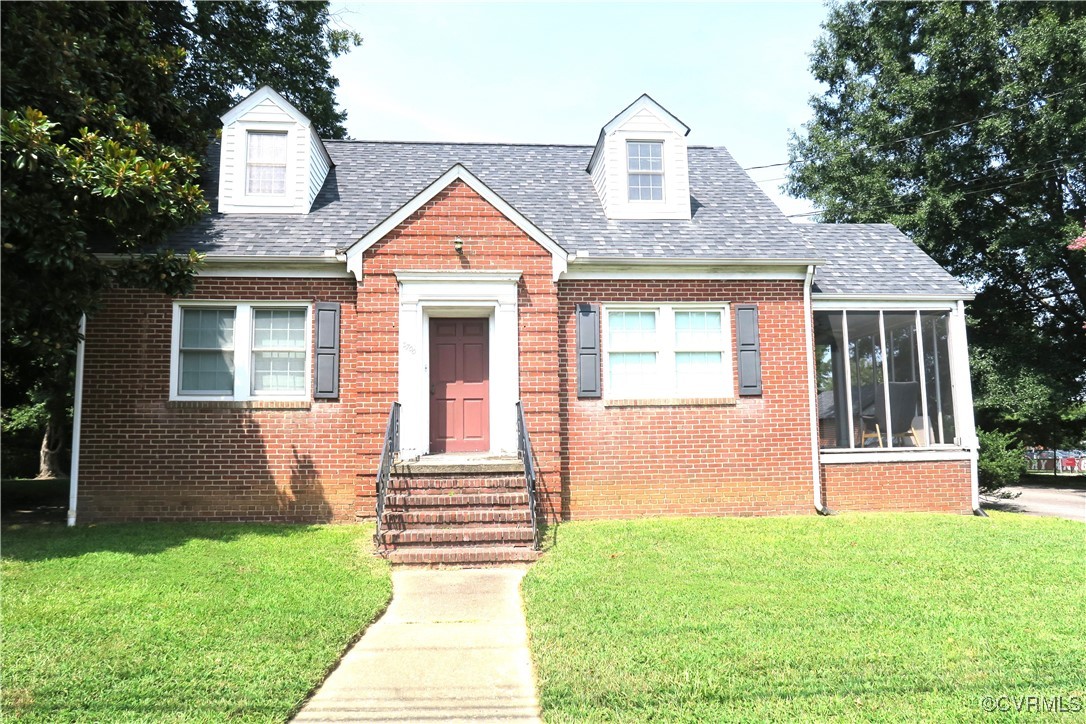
x,y
457,510
452,647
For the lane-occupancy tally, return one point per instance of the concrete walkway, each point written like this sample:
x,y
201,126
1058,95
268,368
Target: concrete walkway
x,y
452,647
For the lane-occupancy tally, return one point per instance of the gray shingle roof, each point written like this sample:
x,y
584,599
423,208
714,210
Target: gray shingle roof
x,y
732,218
874,259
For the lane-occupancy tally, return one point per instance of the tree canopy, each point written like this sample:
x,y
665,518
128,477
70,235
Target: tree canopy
x,y
106,109
964,124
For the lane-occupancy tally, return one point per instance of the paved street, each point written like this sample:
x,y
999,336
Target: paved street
x,y
1060,502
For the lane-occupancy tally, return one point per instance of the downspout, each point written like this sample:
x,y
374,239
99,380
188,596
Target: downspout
x,y
77,422
974,452
808,327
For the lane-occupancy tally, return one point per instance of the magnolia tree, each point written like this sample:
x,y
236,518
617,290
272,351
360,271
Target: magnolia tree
x,y
106,110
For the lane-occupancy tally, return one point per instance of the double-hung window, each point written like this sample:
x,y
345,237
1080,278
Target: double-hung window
x,y
667,351
645,170
266,163
240,351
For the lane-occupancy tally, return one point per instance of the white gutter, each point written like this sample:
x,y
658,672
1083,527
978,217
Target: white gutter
x,y
77,423
808,329
824,298
582,258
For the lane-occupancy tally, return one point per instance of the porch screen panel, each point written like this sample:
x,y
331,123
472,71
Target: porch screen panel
x,y
865,367
206,352
935,328
831,362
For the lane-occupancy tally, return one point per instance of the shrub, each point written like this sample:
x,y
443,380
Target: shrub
x,y
1002,460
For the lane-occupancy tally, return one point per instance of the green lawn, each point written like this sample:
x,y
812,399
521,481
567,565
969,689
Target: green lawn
x,y
886,617
179,622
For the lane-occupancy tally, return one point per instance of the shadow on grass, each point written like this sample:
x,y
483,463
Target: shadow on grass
x,y
39,543
30,501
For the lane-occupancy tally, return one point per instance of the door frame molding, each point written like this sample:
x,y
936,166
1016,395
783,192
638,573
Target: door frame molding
x,y
426,294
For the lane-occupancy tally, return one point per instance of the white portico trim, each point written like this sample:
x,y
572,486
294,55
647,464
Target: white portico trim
x,y
355,253
427,294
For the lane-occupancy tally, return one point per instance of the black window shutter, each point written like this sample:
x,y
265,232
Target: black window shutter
x,y
588,351
326,351
750,353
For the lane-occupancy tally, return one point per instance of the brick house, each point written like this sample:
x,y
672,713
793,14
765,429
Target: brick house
x,y
676,345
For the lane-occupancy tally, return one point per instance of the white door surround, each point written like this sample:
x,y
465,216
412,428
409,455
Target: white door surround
x,y
426,294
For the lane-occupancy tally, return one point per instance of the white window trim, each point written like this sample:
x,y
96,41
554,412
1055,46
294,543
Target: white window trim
x,y
661,173
249,133
243,350
665,334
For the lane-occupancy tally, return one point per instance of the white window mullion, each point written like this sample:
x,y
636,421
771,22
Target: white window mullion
x,y
665,334
243,345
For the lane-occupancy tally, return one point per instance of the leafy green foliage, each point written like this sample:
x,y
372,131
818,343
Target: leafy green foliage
x,y
964,124
167,622
855,617
245,45
1002,460
106,108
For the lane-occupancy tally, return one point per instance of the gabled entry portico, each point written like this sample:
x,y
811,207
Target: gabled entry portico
x,y
491,298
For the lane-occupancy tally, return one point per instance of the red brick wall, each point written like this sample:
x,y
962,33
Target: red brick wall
x,y
752,457
944,486
491,242
145,458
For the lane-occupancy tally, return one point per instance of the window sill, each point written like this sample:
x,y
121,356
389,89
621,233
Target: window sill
x,y
242,404
673,402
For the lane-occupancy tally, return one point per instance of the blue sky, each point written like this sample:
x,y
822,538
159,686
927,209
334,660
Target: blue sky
x,y
736,73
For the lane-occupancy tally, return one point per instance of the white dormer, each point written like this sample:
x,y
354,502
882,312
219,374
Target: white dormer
x,y
272,161
639,164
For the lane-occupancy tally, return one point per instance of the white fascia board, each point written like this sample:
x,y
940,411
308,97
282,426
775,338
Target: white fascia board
x,y
644,101
256,98
458,171
887,301
328,266
641,268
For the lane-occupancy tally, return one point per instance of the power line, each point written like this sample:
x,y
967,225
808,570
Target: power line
x,y
1040,174
937,130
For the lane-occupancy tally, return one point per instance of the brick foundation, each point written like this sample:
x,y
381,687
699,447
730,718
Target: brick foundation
x,y
944,487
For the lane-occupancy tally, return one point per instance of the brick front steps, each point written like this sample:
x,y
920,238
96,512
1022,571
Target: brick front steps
x,y
472,514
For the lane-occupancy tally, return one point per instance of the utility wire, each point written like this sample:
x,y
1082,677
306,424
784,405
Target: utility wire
x,y
937,130
1040,174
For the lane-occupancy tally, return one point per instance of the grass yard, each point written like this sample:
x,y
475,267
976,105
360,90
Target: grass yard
x,y
179,622
886,617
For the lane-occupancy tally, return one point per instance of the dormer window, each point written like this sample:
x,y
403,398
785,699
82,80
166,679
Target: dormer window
x,y
645,167
266,163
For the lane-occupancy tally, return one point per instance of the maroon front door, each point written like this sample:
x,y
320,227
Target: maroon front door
x,y
459,385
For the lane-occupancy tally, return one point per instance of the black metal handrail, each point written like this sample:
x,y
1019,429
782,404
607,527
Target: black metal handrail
x,y
524,451
389,449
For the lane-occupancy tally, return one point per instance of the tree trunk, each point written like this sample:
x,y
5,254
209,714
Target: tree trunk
x,y
51,457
